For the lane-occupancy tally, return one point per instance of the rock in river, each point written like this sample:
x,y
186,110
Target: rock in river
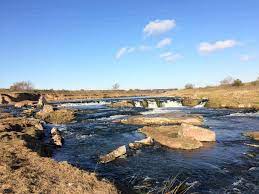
x,y
252,134
113,155
168,136
162,119
198,133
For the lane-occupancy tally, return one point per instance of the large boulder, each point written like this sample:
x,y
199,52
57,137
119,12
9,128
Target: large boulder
x,y
253,134
195,132
60,116
162,119
121,104
42,101
168,136
144,142
113,155
56,137
11,98
47,108
187,101
24,103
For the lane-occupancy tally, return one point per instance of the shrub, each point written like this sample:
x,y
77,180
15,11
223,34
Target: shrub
x,y
116,86
237,82
189,86
227,81
23,85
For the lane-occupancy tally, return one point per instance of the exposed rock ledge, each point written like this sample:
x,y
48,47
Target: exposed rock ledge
x,y
25,171
182,136
164,119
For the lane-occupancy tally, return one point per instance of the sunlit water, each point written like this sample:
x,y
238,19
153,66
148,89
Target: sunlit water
x,y
227,166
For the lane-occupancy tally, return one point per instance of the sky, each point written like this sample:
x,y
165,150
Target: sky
x,y
92,44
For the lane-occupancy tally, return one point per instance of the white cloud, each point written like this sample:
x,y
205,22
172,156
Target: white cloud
x,y
206,47
247,57
158,27
121,52
170,57
126,50
164,42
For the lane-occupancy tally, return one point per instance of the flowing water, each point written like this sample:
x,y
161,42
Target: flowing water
x,y
226,166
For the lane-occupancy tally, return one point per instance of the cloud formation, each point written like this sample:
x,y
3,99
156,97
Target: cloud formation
x,y
164,42
170,57
206,47
124,50
158,27
246,58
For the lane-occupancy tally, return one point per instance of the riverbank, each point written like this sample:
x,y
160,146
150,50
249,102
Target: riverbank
x,y
25,166
228,96
244,97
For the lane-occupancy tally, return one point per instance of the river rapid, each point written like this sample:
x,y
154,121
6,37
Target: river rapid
x,y
227,166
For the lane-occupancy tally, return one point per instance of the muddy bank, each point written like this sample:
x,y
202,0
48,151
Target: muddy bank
x,y
25,167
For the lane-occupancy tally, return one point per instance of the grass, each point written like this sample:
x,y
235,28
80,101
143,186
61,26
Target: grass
x,y
175,186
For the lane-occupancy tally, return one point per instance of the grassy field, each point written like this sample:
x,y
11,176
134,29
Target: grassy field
x,y
246,96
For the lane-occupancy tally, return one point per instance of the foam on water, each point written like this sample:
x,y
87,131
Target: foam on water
x,y
251,114
159,111
90,105
201,105
171,103
152,104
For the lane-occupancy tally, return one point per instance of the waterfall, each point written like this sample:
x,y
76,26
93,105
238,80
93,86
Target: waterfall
x,y
152,104
137,104
201,105
171,103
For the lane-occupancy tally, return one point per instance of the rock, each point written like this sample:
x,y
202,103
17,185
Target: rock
x,y
253,134
146,141
113,155
187,101
120,104
23,103
198,133
54,131
162,119
5,99
138,144
135,145
47,108
168,136
61,116
21,96
42,101
56,138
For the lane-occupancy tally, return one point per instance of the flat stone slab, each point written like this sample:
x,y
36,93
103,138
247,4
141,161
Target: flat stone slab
x,y
168,136
253,134
164,119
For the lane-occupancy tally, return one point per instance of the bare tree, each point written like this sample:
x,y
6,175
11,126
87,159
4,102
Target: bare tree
x,y
189,86
23,85
227,81
116,86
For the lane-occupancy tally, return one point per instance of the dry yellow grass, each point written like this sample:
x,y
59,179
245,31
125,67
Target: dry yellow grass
x,y
246,96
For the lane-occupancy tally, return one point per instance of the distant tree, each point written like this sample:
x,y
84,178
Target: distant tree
x,y
116,86
189,86
227,81
237,82
23,85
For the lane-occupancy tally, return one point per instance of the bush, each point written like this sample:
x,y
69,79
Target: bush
x,y
237,82
227,81
189,86
23,85
115,86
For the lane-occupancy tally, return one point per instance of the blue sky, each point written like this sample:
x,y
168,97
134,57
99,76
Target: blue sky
x,y
138,43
